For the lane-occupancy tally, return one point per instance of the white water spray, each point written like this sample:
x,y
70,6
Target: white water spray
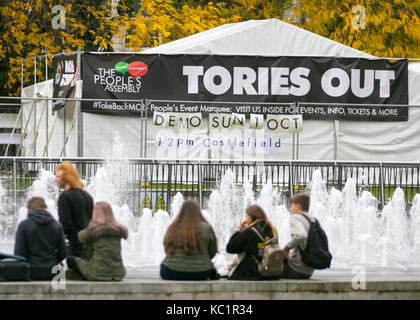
x,y
358,233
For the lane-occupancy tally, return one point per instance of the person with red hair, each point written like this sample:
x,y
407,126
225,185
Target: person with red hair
x,y
74,205
101,259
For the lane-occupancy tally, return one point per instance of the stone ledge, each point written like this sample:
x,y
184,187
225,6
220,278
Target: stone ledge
x,y
212,290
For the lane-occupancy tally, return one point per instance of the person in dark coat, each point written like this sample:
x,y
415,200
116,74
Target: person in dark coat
x,y
247,244
75,205
40,239
101,259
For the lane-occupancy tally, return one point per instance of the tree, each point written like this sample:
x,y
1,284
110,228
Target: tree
x,y
148,23
27,31
381,28
390,28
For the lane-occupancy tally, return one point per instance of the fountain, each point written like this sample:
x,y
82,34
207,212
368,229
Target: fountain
x,y
358,233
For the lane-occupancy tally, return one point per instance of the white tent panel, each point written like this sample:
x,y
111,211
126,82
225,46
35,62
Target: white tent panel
x,y
102,134
273,37
385,141
357,140
316,141
258,37
42,123
414,84
8,120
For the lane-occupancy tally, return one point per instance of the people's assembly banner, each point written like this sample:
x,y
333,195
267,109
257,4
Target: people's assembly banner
x,y
64,79
247,84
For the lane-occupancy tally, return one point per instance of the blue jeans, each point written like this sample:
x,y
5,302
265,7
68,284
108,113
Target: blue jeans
x,y
169,274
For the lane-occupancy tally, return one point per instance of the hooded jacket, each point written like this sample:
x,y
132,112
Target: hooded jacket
x,y
248,243
101,259
40,239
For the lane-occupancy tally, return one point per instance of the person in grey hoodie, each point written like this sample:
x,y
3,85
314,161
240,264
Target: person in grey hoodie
x,y
294,268
40,239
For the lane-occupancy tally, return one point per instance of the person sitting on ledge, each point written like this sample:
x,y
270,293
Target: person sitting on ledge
x,y
190,244
247,244
40,239
294,268
101,257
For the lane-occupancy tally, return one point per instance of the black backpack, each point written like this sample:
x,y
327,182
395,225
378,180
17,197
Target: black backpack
x,y
14,268
316,254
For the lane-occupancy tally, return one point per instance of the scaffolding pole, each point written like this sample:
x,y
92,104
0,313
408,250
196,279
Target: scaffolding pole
x,y
66,139
13,132
37,125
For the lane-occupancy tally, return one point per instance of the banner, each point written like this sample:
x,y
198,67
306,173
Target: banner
x,y
241,84
64,79
309,111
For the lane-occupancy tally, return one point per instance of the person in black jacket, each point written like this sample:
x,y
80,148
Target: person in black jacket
x,y
248,244
75,206
40,239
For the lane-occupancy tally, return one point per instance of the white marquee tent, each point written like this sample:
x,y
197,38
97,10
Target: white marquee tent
x,y
319,140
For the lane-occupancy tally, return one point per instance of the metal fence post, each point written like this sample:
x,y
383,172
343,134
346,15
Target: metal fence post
x,y
63,153
168,201
14,185
142,112
145,131
47,102
35,105
200,190
79,113
382,181
290,179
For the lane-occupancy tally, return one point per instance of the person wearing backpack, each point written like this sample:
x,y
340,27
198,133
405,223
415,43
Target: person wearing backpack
x,y
248,244
294,267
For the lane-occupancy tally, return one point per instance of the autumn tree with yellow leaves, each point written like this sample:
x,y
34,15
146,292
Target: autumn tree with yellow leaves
x,y
381,28
27,32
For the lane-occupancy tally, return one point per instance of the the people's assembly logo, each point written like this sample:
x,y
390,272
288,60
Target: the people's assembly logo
x,y
123,78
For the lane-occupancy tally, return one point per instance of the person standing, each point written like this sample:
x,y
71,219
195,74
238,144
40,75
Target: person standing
x,y
40,239
190,244
294,268
75,205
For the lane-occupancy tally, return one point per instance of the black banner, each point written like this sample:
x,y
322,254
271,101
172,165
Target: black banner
x,y
64,79
309,111
266,82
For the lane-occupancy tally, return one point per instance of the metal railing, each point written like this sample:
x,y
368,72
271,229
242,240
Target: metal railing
x,y
152,183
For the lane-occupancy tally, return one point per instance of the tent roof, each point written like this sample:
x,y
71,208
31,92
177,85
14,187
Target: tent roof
x,y
271,37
